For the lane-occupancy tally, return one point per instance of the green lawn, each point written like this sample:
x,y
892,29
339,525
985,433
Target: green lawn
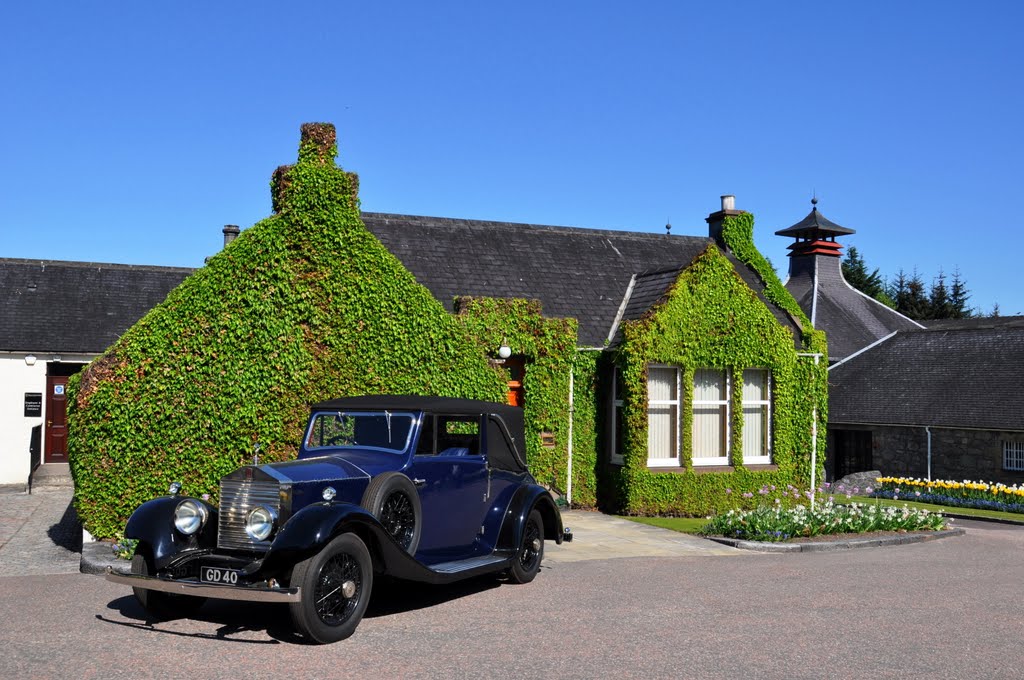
x,y
687,525
693,525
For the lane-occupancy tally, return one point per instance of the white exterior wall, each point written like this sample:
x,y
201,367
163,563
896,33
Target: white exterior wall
x,y
17,378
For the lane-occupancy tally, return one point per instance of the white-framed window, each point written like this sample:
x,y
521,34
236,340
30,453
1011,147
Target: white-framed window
x,y
710,417
616,456
1013,456
757,416
662,416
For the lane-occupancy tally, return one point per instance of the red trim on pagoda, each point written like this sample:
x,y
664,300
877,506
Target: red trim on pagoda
x,y
816,248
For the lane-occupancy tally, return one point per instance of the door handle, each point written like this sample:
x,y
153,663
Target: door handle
x,y
419,482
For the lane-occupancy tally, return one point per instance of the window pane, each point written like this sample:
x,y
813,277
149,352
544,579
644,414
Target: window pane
x,y
661,384
708,385
755,385
1013,455
661,431
755,431
708,431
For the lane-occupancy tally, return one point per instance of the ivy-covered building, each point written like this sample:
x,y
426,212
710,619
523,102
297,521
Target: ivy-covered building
x,y
659,373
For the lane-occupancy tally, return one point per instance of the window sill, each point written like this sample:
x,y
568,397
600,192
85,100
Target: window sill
x,y
710,469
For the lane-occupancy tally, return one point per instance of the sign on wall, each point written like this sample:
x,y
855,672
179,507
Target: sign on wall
x,y
33,404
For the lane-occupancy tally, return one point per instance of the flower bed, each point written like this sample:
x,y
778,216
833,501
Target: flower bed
x,y
966,494
780,524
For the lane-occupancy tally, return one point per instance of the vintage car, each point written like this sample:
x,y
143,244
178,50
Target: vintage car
x,y
426,489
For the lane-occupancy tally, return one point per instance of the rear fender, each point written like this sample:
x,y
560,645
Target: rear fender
x,y
152,525
526,500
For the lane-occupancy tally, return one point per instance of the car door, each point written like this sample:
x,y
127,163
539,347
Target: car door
x,y
450,473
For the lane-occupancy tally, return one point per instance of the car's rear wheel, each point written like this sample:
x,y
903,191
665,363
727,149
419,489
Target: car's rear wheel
x,y
162,606
528,557
392,498
335,587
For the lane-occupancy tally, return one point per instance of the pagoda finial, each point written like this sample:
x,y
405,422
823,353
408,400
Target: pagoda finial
x,y
668,227
814,201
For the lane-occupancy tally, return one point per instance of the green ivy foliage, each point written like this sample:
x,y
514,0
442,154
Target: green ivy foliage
x,y
304,306
712,319
549,348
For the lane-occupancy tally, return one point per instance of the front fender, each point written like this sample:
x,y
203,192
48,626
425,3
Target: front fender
x,y
311,528
152,524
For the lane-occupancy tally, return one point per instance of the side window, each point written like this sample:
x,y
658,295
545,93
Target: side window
x,y
425,447
458,435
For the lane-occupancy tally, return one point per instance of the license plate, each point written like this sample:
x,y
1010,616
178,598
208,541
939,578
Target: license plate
x,y
218,575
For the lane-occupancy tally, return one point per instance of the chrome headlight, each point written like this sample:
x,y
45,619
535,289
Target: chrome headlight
x,y
261,522
189,516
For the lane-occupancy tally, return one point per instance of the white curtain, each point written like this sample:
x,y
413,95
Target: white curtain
x,y
709,419
755,413
662,417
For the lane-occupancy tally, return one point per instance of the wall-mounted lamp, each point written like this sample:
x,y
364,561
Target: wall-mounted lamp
x,y
30,359
504,351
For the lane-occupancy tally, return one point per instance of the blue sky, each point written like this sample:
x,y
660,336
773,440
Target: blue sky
x,y
132,133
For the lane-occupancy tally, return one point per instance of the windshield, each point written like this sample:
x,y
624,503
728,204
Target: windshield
x,y
364,429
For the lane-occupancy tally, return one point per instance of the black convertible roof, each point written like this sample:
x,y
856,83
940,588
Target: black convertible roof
x,y
498,455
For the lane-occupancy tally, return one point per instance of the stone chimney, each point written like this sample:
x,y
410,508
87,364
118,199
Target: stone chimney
x,y
716,219
231,232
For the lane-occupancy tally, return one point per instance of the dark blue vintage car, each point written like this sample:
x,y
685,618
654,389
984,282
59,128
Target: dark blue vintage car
x,y
421,488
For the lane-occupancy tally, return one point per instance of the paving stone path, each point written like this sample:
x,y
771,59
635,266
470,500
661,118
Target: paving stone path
x,y
39,533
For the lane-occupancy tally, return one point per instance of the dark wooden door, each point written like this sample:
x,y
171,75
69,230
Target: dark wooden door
x,y
56,419
852,452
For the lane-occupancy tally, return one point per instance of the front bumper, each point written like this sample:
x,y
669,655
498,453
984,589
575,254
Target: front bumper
x,y
216,591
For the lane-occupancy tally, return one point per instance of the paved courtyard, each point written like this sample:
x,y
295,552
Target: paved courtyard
x,y
685,609
39,533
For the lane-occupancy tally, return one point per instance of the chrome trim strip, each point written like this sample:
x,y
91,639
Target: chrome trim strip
x,y
218,591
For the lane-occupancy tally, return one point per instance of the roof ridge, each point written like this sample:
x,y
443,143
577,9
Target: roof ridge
x,y
625,232
90,265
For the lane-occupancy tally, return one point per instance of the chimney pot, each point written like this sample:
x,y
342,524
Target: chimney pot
x,y
728,202
231,232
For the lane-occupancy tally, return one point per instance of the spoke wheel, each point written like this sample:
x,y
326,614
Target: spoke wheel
x,y
335,587
399,517
392,498
531,550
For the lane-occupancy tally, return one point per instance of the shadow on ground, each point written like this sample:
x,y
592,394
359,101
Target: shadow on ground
x,y
67,533
390,597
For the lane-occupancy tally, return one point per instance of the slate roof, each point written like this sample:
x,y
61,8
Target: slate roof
x,y
850,319
977,322
76,307
578,273
967,378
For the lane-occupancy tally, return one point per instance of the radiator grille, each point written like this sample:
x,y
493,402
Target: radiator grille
x,y
237,498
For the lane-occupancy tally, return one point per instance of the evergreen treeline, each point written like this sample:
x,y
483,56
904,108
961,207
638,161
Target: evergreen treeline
x,y
908,294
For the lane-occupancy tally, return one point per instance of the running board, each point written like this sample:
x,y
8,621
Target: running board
x,y
486,563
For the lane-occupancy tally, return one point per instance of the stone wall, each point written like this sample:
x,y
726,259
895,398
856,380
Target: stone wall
x,y
956,454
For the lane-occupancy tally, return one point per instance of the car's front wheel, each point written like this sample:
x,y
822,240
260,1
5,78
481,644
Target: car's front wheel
x,y
335,587
162,606
527,561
